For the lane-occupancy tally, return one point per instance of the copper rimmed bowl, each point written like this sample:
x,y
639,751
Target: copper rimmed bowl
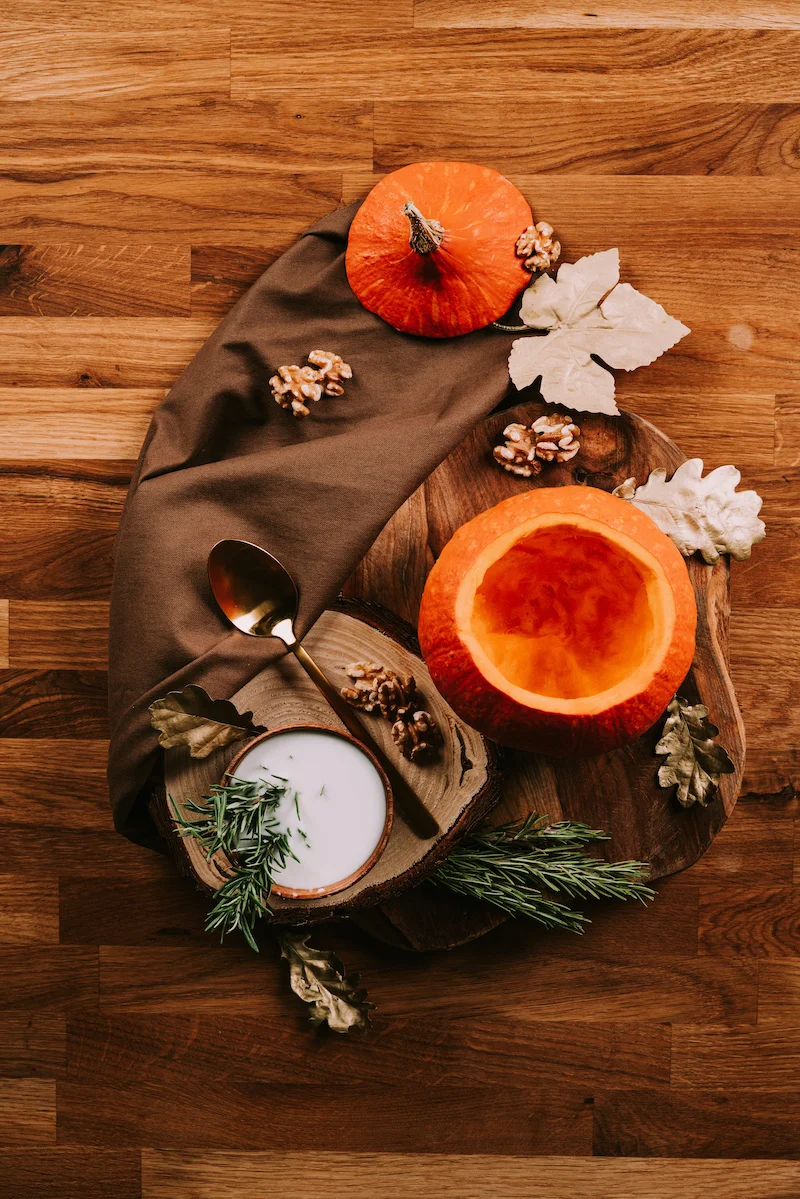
x,y
341,884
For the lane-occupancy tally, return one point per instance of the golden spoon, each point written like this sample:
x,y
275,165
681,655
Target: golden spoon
x,y
259,597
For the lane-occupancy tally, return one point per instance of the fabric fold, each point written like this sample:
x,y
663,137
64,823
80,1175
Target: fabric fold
x,y
222,459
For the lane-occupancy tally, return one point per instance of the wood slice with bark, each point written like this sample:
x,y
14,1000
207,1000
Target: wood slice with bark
x,y
460,785
617,792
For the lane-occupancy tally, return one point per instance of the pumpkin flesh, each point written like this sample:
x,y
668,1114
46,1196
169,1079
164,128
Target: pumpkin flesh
x,y
568,634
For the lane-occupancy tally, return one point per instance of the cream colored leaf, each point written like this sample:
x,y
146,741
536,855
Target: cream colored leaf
x,y
192,718
570,377
638,330
578,288
706,514
320,980
587,313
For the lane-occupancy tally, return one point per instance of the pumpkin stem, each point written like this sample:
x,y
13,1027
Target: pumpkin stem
x,y
512,328
425,236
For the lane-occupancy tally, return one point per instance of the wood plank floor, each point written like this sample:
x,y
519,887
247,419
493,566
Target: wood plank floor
x,y
155,157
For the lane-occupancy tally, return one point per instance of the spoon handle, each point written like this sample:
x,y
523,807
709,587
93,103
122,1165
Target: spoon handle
x,y
410,806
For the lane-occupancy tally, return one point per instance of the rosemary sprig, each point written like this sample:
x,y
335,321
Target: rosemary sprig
x,y
517,867
238,817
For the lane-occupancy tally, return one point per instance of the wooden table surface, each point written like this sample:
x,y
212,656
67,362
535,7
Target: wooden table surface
x,y
154,158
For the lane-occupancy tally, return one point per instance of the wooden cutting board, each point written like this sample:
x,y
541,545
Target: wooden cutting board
x,y
460,785
617,792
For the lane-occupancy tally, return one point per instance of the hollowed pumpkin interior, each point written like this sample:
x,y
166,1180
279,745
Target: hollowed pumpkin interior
x,y
567,613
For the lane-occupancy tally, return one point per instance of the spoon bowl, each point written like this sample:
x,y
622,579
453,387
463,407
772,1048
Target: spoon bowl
x,y
253,589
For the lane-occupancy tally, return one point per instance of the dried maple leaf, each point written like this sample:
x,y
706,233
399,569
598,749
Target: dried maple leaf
x,y
706,514
192,718
625,330
319,978
694,762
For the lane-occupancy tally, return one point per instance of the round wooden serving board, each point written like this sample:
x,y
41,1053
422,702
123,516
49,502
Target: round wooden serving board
x,y
617,792
460,786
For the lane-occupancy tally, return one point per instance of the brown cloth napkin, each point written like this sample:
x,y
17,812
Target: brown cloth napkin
x,y
222,459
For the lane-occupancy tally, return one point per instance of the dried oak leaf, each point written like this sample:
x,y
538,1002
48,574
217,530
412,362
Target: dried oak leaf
x,y
694,760
625,329
320,980
192,718
706,514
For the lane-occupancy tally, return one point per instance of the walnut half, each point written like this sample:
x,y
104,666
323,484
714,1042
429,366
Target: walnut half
x,y
416,734
376,687
294,385
551,438
538,247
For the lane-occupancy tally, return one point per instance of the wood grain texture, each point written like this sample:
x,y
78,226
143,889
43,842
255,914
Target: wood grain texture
x,y
779,992
94,280
765,918
28,910
70,65
554,1119
752,65
297,130
58,633
113,1047
3,633
717,14
207,1175
47,979
32,1044
718,1058
155,157
606,137
70,1173
60,520
92,352
46,424
698,1123
162,206
222,274
27,1111
566,985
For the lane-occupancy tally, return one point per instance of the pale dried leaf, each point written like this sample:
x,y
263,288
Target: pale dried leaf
x,y
706,514
320,980
694,760
192,718
625,329
570,378
577,289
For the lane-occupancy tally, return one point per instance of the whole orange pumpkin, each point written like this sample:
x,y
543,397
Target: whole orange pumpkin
x,y
560,621
432,248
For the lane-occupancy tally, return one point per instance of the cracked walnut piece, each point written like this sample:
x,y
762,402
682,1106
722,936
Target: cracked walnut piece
x,y
294,385
375,687
538,247
557,438
550,438
416,735
414,731
332,369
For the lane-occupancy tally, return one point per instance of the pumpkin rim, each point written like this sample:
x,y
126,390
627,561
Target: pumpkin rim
x,y
660,599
